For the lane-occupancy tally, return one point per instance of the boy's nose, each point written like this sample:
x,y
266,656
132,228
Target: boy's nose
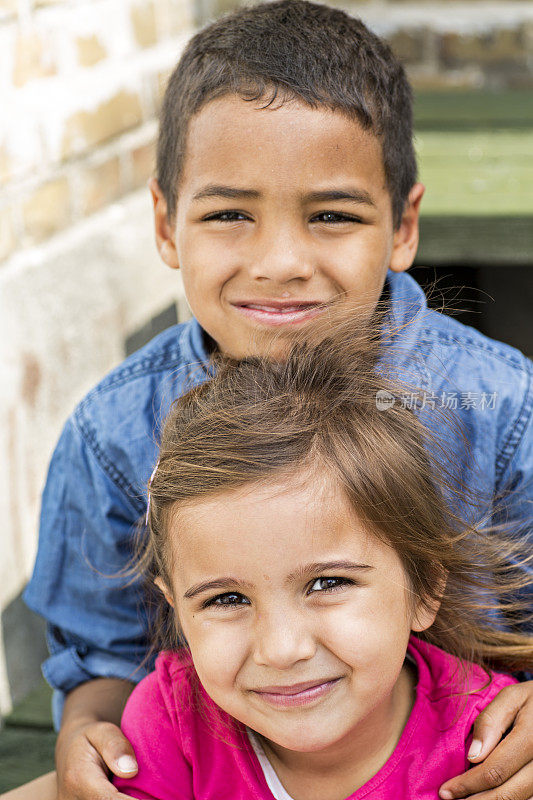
x,y
282,257
282,639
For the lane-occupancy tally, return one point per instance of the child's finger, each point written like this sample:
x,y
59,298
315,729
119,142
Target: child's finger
x,y
498,717
88,783
114,749
518,787
83,760
506,772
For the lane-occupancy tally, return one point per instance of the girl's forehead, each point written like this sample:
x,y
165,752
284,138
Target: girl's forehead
x,y
275,528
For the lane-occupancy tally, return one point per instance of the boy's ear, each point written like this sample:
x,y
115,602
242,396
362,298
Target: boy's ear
x,y
164,234
405,242
160,583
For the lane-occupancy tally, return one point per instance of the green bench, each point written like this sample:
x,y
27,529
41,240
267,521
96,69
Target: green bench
x,y
475,153
27,740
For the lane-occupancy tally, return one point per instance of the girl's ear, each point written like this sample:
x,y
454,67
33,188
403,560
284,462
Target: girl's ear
x,y
426,612
161,585
424,616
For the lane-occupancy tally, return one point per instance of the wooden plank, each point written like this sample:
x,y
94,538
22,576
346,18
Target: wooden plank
x,y
471,109
35,711
24,754
475,241
477,173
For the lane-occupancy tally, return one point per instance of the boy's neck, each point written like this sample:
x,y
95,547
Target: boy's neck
x,y
210,345
337,773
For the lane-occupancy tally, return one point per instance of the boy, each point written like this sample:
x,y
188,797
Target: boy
x,y
286,183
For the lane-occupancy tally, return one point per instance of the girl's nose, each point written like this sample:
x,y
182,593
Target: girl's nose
x,y
281,639
282,257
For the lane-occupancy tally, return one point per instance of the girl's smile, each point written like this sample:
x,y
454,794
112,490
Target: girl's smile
x,y
298,694
307,649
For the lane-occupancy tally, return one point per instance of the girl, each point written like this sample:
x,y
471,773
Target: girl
x,y
329,622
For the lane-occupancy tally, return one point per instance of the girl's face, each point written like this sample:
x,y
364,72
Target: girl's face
x,y
297,618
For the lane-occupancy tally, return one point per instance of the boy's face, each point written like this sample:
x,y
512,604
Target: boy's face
x,y
281,212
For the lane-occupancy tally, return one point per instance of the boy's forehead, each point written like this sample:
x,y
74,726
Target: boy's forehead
x,y
237,140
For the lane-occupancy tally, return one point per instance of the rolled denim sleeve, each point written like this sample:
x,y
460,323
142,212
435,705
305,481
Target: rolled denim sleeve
x,y
515,459
96,620
516,484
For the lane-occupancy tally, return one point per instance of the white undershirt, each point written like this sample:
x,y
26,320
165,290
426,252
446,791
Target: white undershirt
x,y
273,782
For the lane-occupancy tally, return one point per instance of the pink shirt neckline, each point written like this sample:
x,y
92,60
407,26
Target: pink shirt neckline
x,y
389,766
198,748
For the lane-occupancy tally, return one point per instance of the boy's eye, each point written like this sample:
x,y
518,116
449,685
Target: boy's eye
x,y
334,217
237,216
228,599
225,216
328,584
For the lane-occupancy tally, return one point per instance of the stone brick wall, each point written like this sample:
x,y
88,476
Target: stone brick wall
x,y
80,85
81,80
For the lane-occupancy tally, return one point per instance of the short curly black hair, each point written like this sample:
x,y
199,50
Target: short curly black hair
x,y
292,49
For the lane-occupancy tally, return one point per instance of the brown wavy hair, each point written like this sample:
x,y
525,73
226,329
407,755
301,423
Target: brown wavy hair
x,y
262,419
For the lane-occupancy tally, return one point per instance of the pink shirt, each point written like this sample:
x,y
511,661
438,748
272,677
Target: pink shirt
x,y
189,749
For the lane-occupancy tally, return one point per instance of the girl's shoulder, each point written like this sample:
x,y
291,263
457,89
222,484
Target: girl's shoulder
x,y
164,694
188,705
176,679
174,665
448,683
438,733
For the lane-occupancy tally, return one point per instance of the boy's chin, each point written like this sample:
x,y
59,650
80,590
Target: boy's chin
x,y
276,344
273,346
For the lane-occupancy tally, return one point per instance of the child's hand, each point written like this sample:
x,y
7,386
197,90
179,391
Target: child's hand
x,y
84,756
506,771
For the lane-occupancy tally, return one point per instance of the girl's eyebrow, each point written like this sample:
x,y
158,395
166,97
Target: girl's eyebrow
x,y
217,583
328,566
302,572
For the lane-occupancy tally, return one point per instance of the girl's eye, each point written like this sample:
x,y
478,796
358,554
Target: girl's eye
x,y
225,216
334,217
328,584
228,599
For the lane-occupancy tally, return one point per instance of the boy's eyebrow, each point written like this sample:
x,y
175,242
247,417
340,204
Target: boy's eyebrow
x,y
359,196
354,195
228,192
217,583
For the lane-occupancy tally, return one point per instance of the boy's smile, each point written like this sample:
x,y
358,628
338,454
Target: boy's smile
x,y
281,212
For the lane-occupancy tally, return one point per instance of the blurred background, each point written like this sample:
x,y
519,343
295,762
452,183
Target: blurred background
x,y
81,284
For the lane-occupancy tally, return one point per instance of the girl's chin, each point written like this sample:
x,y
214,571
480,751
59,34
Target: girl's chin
x,y
296,742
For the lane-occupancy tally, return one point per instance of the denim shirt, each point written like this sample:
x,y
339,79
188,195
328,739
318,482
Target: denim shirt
x,y
95,494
